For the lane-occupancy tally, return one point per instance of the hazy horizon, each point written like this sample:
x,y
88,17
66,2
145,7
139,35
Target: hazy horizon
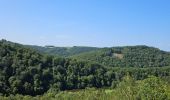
x,y
84,45
94,23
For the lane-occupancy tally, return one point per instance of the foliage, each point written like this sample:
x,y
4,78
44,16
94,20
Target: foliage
x,y
130,56
127,89
152,88
24,71
63,51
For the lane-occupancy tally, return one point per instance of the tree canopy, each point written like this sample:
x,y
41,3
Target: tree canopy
x,y
28,72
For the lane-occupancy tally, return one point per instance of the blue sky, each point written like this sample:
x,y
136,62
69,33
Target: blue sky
x,y
101,23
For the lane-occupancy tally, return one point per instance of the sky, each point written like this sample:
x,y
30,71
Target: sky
x,y
98,23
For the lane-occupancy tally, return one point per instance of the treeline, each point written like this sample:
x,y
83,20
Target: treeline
x,y
151,88
24,71
62,51
130,56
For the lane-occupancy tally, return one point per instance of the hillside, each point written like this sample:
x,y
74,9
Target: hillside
x,y
25,71
129,56
63,51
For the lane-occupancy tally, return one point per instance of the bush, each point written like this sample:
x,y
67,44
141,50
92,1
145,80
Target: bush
x,y
153,88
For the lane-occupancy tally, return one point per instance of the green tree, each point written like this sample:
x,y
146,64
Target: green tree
x,y
153,88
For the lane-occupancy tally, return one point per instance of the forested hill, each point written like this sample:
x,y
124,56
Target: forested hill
x,y
62,51
129,56
25,71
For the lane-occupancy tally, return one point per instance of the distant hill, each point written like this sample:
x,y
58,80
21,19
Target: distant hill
x,y
63,51
128,56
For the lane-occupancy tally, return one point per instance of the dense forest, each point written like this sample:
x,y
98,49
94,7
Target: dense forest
x,y
152,88
26,71
62,51
129,56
